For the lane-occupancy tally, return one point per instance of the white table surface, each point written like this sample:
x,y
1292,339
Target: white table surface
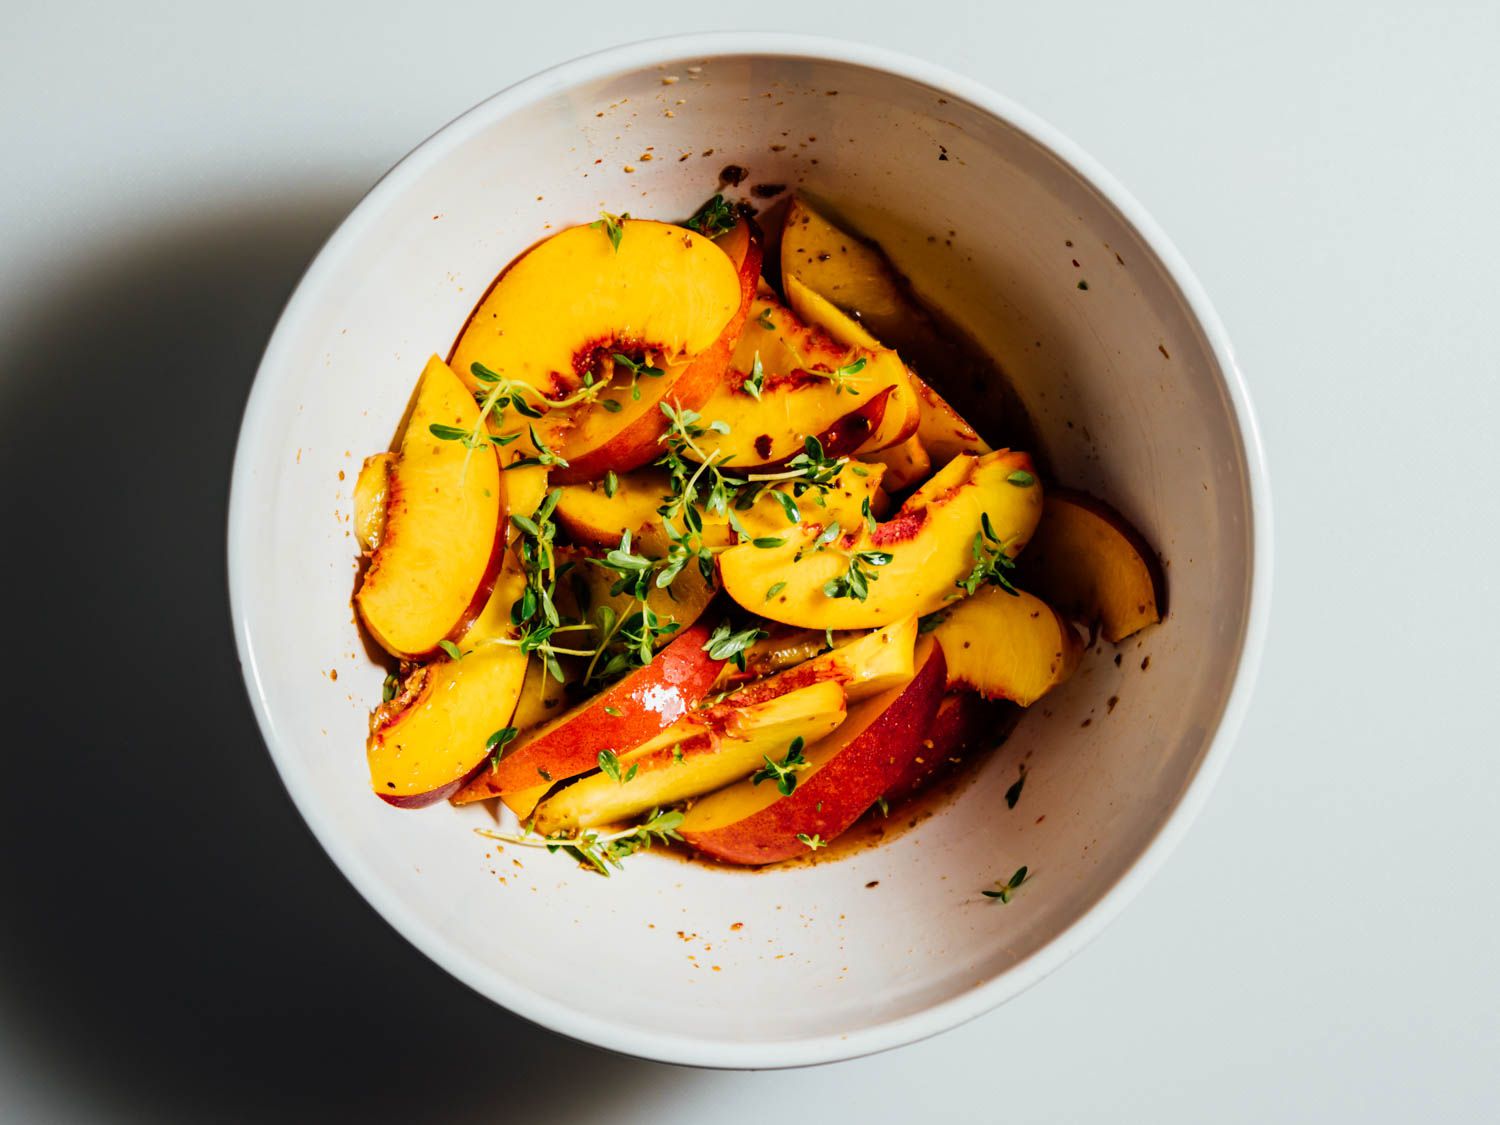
x,y
1325,946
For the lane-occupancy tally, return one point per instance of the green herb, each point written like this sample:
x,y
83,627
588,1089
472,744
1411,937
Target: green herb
x,y
813,842
826,536
885,809
612,225
600,850
1021,479
390,687
783,773
774,589
930,622
864,510
767,542
615,711
637,369
496,744
726,644
756,380
609,764
1008,888
855,581
612,405
991,563
1013,794
765,321
1083,285
843,376
611,484
713,218
451,649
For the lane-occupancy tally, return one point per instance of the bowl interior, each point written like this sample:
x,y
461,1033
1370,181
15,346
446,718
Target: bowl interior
x,y
674,959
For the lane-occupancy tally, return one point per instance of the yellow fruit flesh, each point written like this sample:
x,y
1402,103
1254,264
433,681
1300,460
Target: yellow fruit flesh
x,y
929,540
664,288
369,499
1007,646
443,510
792,406
941,430
665,774
590,515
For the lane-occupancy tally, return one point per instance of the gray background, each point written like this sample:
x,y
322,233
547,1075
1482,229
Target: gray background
x,y
174,946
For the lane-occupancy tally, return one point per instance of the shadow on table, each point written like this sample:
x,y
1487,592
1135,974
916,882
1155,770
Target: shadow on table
x,y
173,943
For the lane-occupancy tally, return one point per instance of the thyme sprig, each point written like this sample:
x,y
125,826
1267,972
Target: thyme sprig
x,y
784,772
991,562
1006,891
714,217
599,850
611,225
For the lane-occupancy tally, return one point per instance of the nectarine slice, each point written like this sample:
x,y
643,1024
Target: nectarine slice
x,y
748,823
788,380
589,514
369,499
444,535
912,563
942,432
619,718
1007,646
1094,566
621,430
577,295
966,723
709,759
865,666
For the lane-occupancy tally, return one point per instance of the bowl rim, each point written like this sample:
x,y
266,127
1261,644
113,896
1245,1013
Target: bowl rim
x,y
665,1046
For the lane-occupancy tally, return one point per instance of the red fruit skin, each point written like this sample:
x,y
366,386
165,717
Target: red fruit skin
x,y
965,723
835,796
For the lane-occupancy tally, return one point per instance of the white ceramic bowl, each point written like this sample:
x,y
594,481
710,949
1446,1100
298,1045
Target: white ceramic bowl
x,y
1131,382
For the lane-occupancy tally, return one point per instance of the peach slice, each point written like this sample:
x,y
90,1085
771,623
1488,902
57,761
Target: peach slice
x,y
1007,646
619,718
370,488
709,759
849,272
427,742
753,824
866,666
589,514
621,430
444,533
941,431
1092,564
927,548
660,289
966,723
808,384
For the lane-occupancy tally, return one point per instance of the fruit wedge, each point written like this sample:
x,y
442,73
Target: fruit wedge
x,y
370,489
619,718
927,548
621,431
429,740
966,724
748,823
707,760
866,666
583,293
589,514
1007,646
444,530
942,432
1095,567
808,384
